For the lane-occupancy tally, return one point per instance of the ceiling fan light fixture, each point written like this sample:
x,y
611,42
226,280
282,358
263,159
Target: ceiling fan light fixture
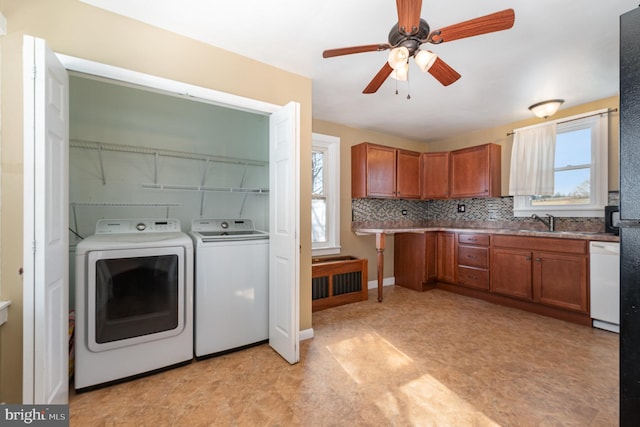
x,y
546,109
401,73
398,56
425,59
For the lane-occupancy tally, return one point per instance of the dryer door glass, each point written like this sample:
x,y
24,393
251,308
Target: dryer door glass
x,y
135,297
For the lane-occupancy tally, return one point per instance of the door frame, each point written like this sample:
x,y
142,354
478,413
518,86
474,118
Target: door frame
x,y
199,93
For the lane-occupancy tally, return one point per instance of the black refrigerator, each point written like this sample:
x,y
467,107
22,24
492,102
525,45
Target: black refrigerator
x,y
630,218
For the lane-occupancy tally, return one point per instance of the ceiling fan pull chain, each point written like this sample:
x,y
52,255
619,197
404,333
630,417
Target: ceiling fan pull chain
x,y
408,86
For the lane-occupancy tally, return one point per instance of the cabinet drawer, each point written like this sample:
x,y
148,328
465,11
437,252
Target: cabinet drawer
x,y
473,277
473,257
474,239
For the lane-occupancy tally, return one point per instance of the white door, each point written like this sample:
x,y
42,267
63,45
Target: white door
x,y
46,287
284,226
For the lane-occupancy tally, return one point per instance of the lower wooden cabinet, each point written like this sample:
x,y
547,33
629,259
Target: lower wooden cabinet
x,y
473,260
544,275
446,257
511,273
415,260
561,280
543,270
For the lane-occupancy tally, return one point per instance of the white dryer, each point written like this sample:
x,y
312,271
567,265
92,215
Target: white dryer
x,y
134,300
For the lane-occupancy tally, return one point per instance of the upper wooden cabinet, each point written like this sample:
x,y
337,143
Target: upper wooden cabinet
x,y
385,172
435,175
475,171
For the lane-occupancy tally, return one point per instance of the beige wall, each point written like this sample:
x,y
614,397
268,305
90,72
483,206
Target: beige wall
x,y
361,246
80,30
499,136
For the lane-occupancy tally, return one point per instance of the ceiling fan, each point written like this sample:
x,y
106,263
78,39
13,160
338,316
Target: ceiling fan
x,y
406,37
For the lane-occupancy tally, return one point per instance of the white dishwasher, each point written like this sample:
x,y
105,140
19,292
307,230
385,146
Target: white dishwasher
x,y
605,285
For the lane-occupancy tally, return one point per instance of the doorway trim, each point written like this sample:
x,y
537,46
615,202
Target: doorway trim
x,y
179,89
171,87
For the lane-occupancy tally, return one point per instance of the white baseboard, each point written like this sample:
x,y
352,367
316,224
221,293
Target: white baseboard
x,y
387,281
305,334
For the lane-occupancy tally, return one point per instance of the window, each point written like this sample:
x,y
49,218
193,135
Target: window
x,y
325,195
580,170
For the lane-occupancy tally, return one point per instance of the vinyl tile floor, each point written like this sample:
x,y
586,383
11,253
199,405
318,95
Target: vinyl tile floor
x,y
424,359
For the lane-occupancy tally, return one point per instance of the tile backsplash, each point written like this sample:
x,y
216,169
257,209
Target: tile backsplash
x,y
485,211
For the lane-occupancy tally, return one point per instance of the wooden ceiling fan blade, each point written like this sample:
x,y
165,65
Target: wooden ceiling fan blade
x,y
498,21
443,72
379,78
409,15
355,49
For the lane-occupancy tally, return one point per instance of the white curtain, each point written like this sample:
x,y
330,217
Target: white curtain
x,y
532,161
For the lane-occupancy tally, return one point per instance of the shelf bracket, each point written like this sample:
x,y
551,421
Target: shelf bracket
x,y
204,180
155,167
244,173
104,180
243,202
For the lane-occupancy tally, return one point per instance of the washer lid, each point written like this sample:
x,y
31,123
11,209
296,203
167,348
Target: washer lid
x,y
216,229
218,236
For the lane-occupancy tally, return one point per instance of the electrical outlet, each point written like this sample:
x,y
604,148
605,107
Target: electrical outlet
x,y
461,208
404,212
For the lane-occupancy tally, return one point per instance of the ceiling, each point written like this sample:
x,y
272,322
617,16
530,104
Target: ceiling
x,y
556,49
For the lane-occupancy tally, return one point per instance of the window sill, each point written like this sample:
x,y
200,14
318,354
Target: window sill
x,y
332,250
566,213
4,311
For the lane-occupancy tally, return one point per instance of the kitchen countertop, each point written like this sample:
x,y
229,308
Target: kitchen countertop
x,y
372,227
381,228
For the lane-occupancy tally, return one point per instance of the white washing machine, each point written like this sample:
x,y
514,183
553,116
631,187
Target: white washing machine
x,y
231,285
134,300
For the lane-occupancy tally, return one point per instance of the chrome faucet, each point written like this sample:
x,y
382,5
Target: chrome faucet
x,y
551,222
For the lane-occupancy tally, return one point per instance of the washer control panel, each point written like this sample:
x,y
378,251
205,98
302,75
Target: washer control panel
x,y
222,225
120,226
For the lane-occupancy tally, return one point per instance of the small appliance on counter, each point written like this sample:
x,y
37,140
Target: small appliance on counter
x,y
612,219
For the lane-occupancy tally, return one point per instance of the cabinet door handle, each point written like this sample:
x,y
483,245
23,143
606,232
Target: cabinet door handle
x,y
472,277
538,260
528,258
471,256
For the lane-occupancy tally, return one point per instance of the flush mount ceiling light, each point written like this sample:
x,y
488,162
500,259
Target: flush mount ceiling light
x,y
546,109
